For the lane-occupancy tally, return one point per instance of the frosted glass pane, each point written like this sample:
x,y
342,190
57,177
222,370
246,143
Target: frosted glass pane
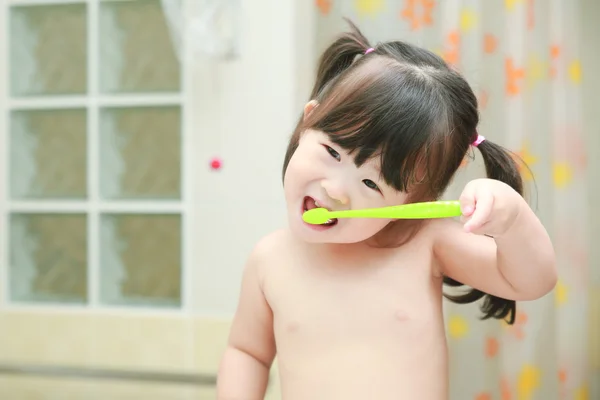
x,y
141,260
136,50
48,50
140,153
48,258
48,156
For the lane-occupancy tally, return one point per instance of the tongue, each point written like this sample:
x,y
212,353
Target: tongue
x,y
310,203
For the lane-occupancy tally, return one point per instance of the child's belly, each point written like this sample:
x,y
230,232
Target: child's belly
x,y
366,350
360,365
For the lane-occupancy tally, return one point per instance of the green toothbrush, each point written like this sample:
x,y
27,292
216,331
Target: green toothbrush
x,y
432,209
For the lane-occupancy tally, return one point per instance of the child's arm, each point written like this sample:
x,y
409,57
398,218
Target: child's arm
x,y
244,369
518,263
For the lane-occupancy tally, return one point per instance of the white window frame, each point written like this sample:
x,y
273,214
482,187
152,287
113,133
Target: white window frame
x,y
94,206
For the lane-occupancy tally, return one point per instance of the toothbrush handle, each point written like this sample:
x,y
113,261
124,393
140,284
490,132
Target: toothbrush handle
x,y
434,209
426,210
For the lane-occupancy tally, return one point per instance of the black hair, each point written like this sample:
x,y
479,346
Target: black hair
x,y
406,105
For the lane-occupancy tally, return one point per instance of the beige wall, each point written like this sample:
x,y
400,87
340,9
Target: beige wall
x,y
244,111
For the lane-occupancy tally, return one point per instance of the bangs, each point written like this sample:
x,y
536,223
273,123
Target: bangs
x,y
393,111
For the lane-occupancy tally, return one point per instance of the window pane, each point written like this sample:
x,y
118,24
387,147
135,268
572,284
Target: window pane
x,y
140,153
48,154
137,53
48,258
141,259
48,50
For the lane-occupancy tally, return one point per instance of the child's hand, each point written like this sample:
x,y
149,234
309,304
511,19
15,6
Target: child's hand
x,y
489,207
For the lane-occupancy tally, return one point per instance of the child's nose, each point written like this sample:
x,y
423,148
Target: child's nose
x,y
335,192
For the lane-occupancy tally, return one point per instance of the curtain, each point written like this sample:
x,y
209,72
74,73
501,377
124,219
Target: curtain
x,y
522,58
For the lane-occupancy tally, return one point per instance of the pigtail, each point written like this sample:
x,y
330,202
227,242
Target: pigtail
x,y
339,56
499,165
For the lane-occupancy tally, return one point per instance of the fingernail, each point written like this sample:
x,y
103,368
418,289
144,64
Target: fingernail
x,y
467,210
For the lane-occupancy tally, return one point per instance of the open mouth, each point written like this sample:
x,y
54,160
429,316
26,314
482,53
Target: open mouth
x,y
309,203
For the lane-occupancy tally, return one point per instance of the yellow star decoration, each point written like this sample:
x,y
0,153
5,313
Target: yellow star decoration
x,y
560,293
369,7
458,326
582,393
528,158
528,382
575,72
562,174
536,70
468,19
510,4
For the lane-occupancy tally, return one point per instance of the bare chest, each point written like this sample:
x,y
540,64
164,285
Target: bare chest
x,y
327,298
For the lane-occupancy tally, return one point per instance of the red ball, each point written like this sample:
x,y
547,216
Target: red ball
x,y
215,163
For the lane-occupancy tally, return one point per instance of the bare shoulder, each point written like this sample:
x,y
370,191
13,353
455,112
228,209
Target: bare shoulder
x,y
270,244
270,248
436,230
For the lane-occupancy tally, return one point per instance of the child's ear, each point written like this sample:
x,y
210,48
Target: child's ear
x,y
311,105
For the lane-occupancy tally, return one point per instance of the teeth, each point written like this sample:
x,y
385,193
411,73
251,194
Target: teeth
x,y
317,204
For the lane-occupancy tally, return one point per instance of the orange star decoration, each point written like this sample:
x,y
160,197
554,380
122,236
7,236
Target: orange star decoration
x,y
483,98
554,54
324,6
513,77
483,396
505,390
491,347
490,43
517,328
452,52
530,14
524,156
418,13
562,375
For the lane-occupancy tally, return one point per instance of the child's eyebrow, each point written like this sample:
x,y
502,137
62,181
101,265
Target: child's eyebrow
x,y
374,165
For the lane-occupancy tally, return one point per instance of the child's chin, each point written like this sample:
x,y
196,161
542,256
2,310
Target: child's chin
x,y
316,237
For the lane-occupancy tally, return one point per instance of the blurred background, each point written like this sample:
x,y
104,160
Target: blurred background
x,y
143,143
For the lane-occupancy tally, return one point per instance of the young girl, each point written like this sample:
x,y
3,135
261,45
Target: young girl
x,y
353,308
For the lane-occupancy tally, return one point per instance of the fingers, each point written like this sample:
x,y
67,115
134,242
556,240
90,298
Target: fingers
x,y
484,203
467,200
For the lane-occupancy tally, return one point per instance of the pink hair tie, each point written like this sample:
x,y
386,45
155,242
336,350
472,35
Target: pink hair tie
x,y
478,141
369,50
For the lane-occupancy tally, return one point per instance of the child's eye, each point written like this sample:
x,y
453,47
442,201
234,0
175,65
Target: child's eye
x,y
333,153
370,184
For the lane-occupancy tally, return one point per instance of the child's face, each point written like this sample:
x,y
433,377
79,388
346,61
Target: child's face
x,y
322,172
